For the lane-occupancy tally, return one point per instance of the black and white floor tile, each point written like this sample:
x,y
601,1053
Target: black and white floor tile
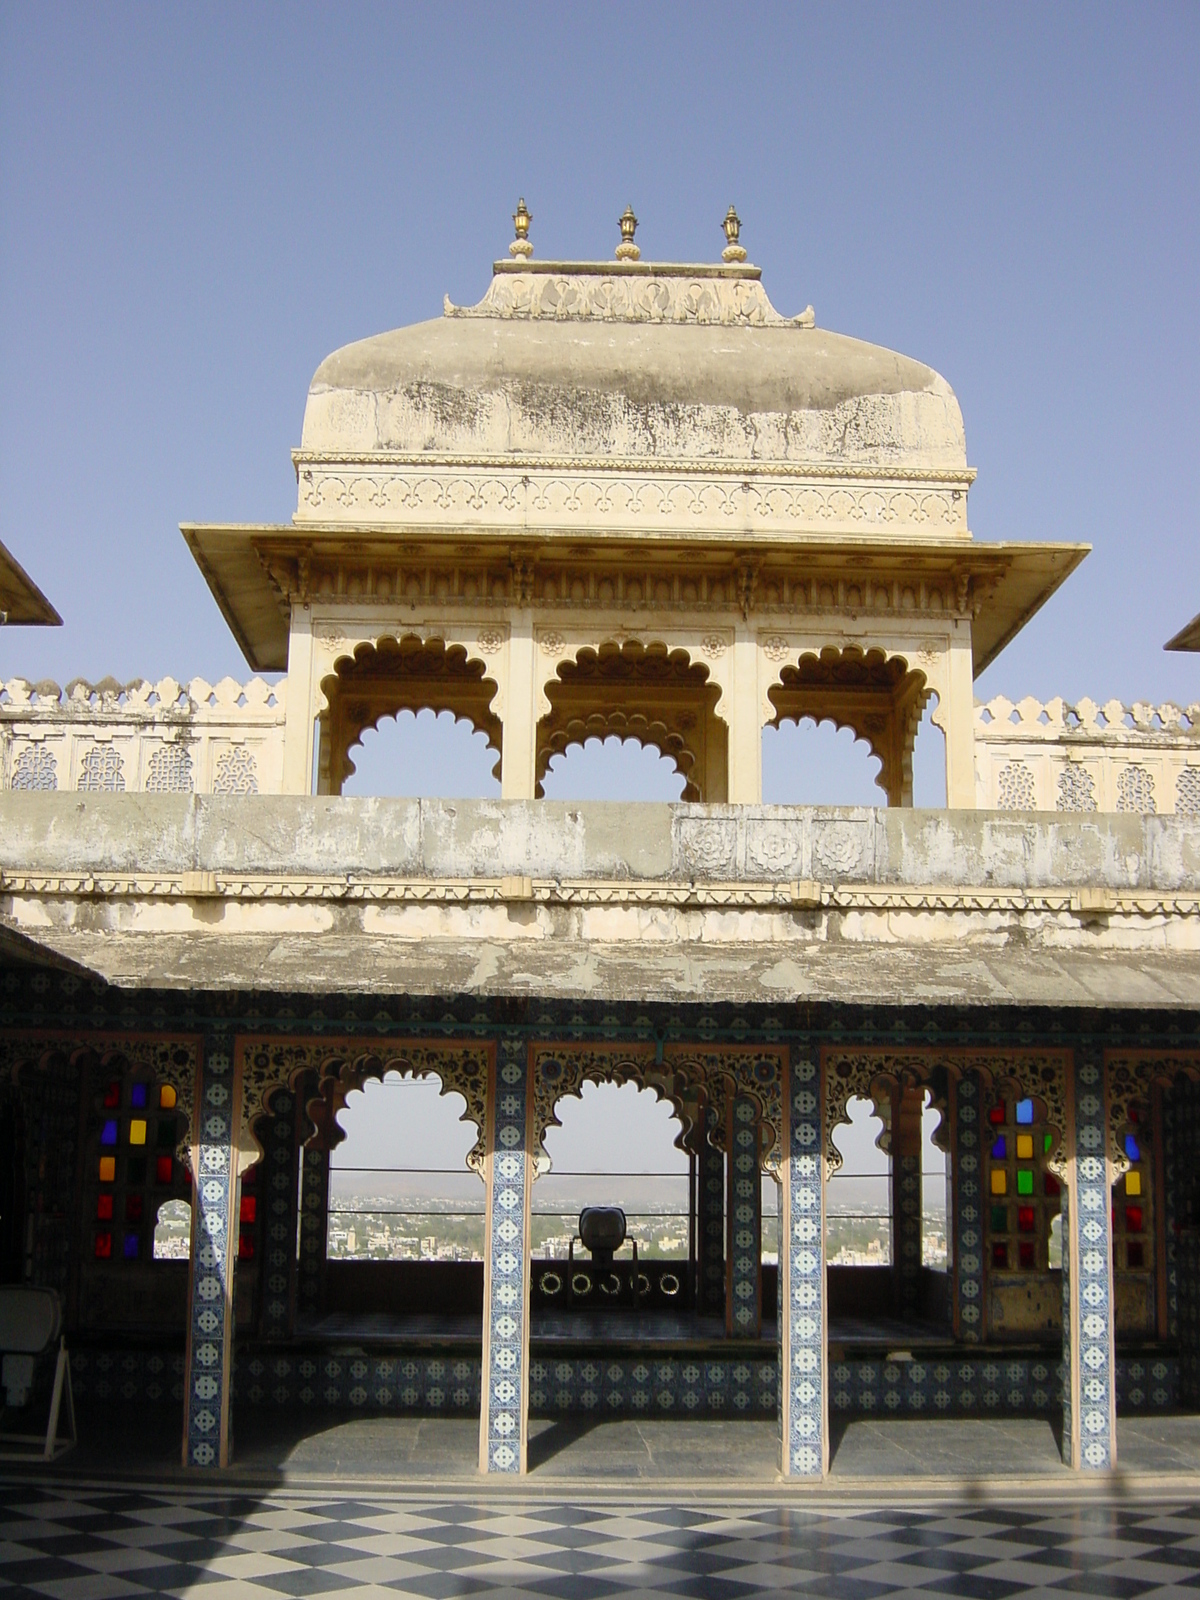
x,y
81,1543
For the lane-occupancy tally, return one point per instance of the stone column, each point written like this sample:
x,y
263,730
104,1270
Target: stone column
x,y
744,722
906,1200
1089,1359
518,754
803,1382
299,709
208,1369
509,1146
957,722
710,1220
964,1225
743,1220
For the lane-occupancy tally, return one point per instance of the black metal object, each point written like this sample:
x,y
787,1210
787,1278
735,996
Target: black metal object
x,y
602,1232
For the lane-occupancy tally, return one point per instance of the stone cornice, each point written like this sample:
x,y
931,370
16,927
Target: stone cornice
x,y
1085,903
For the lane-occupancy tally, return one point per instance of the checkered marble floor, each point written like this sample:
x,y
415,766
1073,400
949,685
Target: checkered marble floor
x,y
83,1543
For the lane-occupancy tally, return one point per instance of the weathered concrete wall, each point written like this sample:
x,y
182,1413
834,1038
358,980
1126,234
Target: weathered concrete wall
x,y
466,839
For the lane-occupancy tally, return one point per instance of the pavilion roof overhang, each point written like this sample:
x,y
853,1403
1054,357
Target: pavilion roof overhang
x,y
1187,638
20,598
255,571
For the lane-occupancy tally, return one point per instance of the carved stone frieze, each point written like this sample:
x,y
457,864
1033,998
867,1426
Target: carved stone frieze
x,y
723,1070
739,301
344,1065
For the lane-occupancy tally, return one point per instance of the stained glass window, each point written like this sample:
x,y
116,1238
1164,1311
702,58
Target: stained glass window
x,y
132,1115
1019,1228
1133,1213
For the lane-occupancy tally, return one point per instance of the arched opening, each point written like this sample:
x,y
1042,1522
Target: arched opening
x,y
173,1231
400,1189
929,761
394,675
425,755
858,1210
933,1191
658,697
806,763
612,769
615,1145
876,695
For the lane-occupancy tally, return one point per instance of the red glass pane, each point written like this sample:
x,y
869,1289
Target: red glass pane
x,y
104,1207
996,1114
1000,1255
103,1244
1025,1222
1135,1256
1133,1219
1027,1261
1051,1184
245,1245
112,1095
133,1208
1133,1116
249,1208
164,1168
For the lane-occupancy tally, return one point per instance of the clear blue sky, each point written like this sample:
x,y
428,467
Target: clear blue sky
x,y
198,203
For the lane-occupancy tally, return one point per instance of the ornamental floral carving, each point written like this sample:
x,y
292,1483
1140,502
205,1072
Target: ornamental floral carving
x,y
341,1066
490,640
615,297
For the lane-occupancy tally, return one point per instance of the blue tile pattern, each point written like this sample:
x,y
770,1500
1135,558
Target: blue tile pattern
x,y
211,1282
310,1286
744,1315
680,1386
1089,1320
802,1233
277,1191
505,1307
907,1242
968,1218
710,1189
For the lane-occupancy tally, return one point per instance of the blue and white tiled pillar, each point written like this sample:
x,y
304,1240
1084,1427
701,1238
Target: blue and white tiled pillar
x,y
710,1206
208,1366
743,1220
966,1265
803,1387
1089,1364
509,1146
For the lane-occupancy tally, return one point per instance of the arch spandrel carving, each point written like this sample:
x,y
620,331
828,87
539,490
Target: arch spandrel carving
x,y
170,1061
418,669
1131,1076
873,691
657,693
341,1066
755,1071
561,1070
1037,1073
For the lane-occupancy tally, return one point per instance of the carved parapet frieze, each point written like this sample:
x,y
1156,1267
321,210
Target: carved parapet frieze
x,y
1056,756
639,296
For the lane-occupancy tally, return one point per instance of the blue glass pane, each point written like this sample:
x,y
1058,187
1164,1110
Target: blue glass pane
x,y
137,1095
1132,1149
1024,1110
131,1246
108,1133
1000,1149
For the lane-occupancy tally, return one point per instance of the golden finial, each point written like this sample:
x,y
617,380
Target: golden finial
x,y
521,220
627,250
732,226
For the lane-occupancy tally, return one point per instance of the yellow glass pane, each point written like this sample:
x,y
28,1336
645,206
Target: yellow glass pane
x,y
166,1097
137,1131
1024,1147
1133,1183
108,1169
999,1181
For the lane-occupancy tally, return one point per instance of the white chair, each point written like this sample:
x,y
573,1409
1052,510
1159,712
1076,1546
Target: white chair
x,y
30,1322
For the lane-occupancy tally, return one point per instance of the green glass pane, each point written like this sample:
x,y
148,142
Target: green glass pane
x,y
999,1219
1048,1142
1024,1181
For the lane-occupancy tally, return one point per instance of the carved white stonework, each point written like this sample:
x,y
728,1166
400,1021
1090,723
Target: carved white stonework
x,y
140,737
725,301
1082,757
691,497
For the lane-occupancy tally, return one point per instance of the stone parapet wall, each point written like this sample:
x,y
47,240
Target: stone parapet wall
x,y
1055,756
140,737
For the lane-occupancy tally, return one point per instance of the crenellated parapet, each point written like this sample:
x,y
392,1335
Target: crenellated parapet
x,y
144,738
1056,756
